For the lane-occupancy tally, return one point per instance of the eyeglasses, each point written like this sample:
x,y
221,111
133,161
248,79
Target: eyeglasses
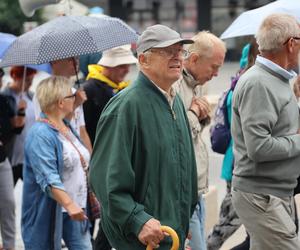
x,y
293,37
70,96
171,52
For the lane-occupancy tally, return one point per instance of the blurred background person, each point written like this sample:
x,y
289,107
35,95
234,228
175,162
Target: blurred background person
x,y
18,91
104,81
55,184
11,123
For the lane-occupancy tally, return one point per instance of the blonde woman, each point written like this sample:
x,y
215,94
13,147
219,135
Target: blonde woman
x,y
55,188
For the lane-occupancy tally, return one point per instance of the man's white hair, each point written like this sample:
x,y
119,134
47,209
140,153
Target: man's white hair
x,y
204,44
275,30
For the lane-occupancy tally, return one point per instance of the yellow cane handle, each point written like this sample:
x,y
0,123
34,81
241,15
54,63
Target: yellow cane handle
x,y
173,235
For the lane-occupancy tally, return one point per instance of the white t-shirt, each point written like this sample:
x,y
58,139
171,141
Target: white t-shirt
x,y
78,119
74,177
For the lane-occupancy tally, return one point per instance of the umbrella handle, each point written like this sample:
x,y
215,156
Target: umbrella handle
x,y
173,235
23,81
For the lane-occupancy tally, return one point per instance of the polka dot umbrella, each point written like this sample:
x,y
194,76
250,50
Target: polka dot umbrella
x,y
6,40
68,36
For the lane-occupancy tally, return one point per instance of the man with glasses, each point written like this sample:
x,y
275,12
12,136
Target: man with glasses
x,y
205,57
143,167
265,131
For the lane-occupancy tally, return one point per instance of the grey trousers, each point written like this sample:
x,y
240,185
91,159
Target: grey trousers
x,y
7,206
268,219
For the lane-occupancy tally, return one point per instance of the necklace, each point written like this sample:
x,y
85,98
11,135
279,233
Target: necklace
x,y
64,132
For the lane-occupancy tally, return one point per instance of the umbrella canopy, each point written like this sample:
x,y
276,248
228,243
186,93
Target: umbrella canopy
x,y
68,36
249,21
7,39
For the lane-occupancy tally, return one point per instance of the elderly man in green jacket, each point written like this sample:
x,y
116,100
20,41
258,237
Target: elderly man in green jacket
x,y
143,166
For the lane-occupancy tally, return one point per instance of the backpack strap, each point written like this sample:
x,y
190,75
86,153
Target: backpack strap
x,y
225,109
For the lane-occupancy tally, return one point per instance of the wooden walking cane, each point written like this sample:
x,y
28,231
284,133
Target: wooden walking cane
x,y
173,235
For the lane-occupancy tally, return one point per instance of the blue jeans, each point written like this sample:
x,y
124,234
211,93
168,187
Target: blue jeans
x,y
76,234
197,227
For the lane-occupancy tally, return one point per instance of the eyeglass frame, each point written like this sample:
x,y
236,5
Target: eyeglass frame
x,y
70,96
167,52
292,37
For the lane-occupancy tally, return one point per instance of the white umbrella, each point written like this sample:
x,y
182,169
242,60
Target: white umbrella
x,y
249,21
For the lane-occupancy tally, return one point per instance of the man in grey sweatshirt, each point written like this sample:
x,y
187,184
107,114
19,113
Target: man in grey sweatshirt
x,y
265,130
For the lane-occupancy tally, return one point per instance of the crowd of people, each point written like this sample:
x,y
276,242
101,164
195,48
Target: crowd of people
x,y
139,148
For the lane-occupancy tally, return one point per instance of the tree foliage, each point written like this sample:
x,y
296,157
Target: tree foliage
x,y
12,17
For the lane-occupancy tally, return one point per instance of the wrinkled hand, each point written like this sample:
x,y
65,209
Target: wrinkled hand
x,y
201,107
151,233
80,98
75,212
195,107
204,107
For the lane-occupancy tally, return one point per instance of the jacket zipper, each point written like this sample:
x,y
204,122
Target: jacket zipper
x,y
173,114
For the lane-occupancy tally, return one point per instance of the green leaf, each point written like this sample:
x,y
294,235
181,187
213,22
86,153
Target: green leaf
x,y
12,17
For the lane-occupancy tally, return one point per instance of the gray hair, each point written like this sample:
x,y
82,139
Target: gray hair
x,y
204,44
51,90
275,30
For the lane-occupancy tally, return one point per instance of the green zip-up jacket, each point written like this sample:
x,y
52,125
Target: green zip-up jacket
x,y
143,165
